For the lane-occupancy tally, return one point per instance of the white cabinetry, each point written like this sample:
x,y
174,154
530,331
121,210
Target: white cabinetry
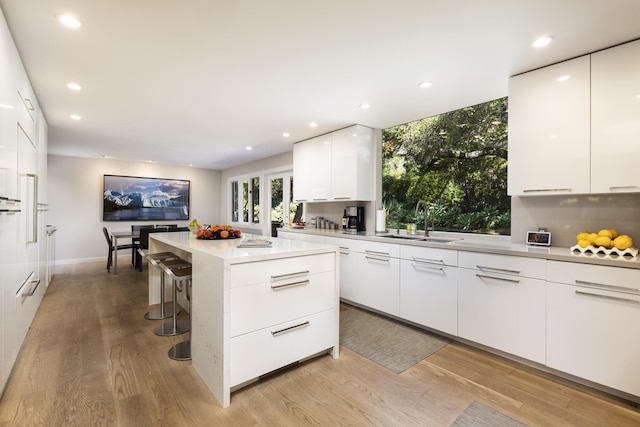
x,y
593,323
549,119
615,119
501,303
429,287
335,166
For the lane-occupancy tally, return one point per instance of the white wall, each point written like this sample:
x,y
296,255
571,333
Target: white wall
x,y
75,202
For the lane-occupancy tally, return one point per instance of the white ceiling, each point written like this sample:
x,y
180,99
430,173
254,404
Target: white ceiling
x,y
196,81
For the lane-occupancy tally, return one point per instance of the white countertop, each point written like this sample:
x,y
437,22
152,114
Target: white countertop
x,y
484,244
228,250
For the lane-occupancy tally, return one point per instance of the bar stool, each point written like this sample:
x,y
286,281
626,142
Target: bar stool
x,y
155,259
182,350
179,270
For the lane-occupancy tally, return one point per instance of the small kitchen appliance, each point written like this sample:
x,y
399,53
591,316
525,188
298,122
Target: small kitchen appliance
x,y
355,219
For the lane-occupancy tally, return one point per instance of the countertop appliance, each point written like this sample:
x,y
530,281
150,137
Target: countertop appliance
x,y
355,219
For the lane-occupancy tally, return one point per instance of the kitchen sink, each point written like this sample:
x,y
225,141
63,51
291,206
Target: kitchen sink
x,y
420,238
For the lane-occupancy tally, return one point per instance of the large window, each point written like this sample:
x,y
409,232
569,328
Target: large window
x,y
245,200
457,163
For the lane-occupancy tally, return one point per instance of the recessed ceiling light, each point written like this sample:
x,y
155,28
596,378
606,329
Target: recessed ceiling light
x,y
74,86
68,21
313,124
424,85
542,41
75,117
286,134
249,148
563,78
104,156
365,106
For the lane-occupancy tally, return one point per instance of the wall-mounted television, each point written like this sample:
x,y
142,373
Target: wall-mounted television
x,y
133,198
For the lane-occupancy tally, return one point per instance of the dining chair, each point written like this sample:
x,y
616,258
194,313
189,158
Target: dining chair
x,y
113,249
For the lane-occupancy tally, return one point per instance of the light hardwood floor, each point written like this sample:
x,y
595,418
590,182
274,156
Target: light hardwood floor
x,y
91,358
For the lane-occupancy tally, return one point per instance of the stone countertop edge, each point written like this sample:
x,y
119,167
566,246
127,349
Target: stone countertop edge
x,y
484,245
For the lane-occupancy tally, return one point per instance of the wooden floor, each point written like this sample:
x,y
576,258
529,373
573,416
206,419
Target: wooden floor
x,y
91,358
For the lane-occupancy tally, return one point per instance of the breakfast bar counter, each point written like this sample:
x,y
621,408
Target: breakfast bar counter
x,y
254,309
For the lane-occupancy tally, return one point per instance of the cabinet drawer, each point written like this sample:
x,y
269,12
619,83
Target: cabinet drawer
x,y
266,304
280,270
375,248
271,348
504,264
429,255
604,277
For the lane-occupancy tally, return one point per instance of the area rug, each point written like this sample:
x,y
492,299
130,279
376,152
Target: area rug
x,y
478,415
389,343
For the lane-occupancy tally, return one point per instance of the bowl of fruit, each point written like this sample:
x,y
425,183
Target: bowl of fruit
x,y
194,226
218,232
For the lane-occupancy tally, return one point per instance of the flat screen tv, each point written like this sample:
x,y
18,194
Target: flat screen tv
x,y
133,198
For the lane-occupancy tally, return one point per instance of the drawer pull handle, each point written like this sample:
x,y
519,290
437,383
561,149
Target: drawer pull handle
x,y
607,287
282,276
428,260
344,253
376,252
373,258
33,285
289,285
418,265
290,328
545,190
504,270
623,187
607,297
504,279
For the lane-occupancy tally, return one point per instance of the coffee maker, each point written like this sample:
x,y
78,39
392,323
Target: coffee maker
x,y
355,219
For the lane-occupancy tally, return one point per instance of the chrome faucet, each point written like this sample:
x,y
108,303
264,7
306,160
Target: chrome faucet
x,y
426,216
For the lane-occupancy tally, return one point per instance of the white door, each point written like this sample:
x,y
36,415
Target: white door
x,y
281,206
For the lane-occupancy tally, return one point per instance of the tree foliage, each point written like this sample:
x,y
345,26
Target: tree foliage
x,y
456,162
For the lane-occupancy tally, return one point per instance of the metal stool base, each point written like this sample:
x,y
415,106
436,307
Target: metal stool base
x,y
157,314
181,351
167,329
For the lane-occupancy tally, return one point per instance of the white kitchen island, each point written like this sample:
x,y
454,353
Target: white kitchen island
x,y
254,310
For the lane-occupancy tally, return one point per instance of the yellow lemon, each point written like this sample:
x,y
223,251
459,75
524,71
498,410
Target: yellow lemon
x,y
603,241
582,235
591,237
623,242
583,243
614,233
605,233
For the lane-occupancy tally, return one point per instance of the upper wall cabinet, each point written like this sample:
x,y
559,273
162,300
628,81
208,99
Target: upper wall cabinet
x,y
574,127
335,167
615,119
549,130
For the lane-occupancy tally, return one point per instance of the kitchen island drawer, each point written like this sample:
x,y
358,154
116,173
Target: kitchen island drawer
x,y
597,276
266,304
263,351
429,255
281,270
504,264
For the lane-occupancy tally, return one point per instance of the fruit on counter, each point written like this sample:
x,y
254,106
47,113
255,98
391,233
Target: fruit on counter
x,y
582,235
207,234
583,243
223,234
194,223
237,233
623,242
603,241
614,233
591,237
200,233
605,233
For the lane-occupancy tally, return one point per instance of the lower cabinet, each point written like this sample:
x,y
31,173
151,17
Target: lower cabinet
x,y
500,307
429,287
593,324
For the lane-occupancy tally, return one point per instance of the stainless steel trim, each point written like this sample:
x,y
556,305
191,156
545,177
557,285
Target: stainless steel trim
x,y
595,285
30,107
607,297
376,252
34,237
503,270
504,279
546,190
624,187
418,265
282,276
289,285
342,198
374,258
290,328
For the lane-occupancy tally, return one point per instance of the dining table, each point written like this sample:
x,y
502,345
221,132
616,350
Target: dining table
x,y
115,235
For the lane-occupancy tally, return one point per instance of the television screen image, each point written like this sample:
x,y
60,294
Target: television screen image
x,y
130,198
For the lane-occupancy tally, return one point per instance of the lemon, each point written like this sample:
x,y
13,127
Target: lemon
x,y
583,243
623,242
614,233
603,241
605,233
592,237
582,235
